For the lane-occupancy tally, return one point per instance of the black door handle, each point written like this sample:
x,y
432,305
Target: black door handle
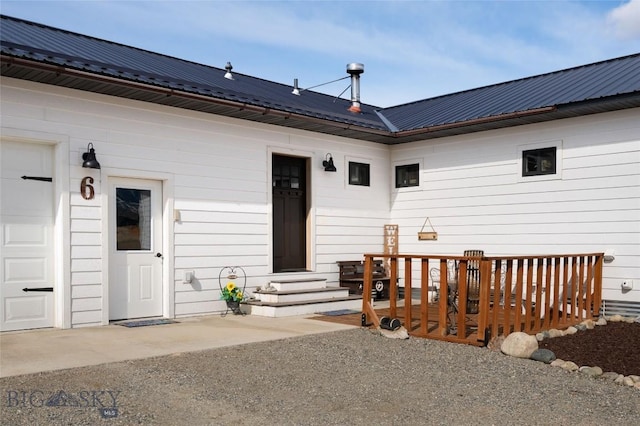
x,y
50,289
158,254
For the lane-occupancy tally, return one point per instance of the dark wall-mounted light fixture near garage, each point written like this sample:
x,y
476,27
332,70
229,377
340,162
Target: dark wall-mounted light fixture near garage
x,y
89,158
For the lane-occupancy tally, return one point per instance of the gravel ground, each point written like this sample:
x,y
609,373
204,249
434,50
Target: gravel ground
x,y
353,377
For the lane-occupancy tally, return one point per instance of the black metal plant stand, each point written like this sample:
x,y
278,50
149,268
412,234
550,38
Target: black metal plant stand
x,y
233,273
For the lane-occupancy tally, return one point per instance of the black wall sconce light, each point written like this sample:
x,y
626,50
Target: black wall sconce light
x,y
89,158
328,163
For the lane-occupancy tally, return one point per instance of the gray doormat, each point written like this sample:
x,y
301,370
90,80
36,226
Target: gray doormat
x,y
340,312
144,323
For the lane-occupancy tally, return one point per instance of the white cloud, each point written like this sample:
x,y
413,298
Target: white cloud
x,y
624,20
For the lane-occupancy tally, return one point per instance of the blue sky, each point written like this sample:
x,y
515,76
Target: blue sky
x,y
410,49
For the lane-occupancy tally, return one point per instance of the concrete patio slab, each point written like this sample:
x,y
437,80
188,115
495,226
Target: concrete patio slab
x,y
33,351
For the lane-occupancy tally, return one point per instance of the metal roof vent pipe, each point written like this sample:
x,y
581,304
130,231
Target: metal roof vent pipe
x,y
354,69
228,74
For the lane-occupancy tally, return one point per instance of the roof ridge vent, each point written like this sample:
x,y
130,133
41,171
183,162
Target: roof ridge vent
x,y
355,69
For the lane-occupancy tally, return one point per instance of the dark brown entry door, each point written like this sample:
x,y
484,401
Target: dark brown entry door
x,y
289,214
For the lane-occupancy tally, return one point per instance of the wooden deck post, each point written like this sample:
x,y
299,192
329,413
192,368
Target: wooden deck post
x,y
424,295
367,307
443,308
407,293
393,287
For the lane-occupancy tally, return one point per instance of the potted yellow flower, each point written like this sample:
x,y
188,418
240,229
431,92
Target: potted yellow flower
x,y
233,295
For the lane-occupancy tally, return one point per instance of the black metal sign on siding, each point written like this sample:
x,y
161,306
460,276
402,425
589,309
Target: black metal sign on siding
x,y
43,179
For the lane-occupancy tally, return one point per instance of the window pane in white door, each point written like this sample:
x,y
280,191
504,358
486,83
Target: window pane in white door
x,y
133,214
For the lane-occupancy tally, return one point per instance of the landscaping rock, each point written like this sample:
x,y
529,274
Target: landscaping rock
x,y
400,333
496,343
554,332
571,330
570,366
611,375
519,344
591,371
543,355
557,363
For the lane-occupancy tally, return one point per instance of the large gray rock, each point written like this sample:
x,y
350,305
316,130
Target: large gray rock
x,y
519,344
543,355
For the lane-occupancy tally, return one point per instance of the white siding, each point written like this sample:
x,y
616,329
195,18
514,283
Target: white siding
x,y
472,189
219,172
220,175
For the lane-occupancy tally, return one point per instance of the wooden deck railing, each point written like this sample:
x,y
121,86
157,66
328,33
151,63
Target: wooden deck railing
x,y
495,295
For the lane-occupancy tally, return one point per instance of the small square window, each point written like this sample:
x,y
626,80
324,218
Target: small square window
x,y
407,175
536,162
358,174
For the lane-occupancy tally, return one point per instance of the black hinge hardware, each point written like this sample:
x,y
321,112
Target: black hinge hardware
x,y
50,289
44,179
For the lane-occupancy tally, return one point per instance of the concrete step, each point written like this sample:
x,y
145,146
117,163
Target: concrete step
x,y
309,295
285,309
298,284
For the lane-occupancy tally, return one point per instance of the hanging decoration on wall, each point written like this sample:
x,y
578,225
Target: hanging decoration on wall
x,y
427,235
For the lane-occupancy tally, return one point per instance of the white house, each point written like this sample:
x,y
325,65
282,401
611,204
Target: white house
x,y
203,168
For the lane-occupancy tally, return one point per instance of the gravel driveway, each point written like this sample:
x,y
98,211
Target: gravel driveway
x,y
352,377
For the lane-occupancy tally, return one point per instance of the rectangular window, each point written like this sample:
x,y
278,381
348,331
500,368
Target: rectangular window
x,y
536,162
358,174
133,218
407,175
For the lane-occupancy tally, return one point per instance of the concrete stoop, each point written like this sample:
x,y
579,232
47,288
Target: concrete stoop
x,y
300,297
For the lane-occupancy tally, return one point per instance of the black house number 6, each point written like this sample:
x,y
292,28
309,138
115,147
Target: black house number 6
x,y
86,188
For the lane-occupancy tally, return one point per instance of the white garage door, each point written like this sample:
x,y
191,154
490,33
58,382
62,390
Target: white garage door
x,y
26,235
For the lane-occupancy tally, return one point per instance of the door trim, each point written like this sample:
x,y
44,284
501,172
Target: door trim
x,y
168,284
311,215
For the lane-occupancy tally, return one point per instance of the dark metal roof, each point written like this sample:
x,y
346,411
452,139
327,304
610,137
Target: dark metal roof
x,y
48,55
593,82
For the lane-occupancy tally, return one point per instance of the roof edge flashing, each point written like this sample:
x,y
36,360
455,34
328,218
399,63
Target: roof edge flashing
x,y
481,120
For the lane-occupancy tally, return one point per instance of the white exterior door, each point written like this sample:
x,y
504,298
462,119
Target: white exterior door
x,y
135,228
26,236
